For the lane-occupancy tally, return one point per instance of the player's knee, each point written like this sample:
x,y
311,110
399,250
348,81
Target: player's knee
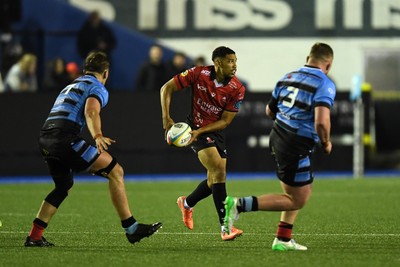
x,y
218,175
60,192
65,186
63,183
110,170
119,170
117,173
299,203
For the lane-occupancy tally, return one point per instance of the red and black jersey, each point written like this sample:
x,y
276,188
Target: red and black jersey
x,y
210,97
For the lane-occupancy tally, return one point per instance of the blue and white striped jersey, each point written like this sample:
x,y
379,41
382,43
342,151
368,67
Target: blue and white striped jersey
x,y
295,97
70,103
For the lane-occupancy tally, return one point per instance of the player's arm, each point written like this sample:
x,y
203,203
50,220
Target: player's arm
x,y
226,119
93,121
272,108
323,127
165,96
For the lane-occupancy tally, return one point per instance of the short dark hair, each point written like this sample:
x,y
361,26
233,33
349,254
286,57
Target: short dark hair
x,y
321,51
96,62
221,51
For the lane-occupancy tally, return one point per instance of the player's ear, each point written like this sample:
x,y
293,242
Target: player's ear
x,y
105,74
328,67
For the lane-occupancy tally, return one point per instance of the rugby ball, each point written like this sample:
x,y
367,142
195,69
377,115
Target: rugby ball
x,y
179,134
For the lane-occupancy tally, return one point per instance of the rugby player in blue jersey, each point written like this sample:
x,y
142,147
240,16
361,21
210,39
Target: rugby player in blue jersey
x,y
66,152
300,107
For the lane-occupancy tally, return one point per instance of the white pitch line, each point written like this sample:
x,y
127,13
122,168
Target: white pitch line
x,y
34,214
179,233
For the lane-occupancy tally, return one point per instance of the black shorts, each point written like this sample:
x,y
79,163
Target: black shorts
x,y
292,156
64,152
214,139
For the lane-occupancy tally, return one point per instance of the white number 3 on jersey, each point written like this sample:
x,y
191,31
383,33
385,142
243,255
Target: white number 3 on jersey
x,y
290,98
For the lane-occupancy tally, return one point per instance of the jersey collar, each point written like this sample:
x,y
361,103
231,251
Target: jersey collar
x,y
213,76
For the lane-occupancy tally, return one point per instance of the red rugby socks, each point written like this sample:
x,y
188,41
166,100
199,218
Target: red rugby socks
x,y
284,231
38,227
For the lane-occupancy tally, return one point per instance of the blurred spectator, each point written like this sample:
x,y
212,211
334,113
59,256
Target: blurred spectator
x,y
73,71
10,12
22,75
56,76
153,73
200,61
12,52
1,84
177,64
95,35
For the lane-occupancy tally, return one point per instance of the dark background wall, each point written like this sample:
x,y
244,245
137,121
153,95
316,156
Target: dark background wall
x,y
134,120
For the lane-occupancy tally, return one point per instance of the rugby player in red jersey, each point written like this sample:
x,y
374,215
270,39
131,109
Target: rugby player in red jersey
x,y
216,98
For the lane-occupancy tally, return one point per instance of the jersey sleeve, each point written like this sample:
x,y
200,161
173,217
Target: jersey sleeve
x,y
100,93
273,105
186,78
325,95
273,102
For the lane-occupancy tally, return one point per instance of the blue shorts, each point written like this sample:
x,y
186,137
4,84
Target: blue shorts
x,y
70,151
292,157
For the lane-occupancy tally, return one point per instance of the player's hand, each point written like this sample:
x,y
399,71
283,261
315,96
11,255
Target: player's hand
x,y
102,143
195,134
167,124
327,147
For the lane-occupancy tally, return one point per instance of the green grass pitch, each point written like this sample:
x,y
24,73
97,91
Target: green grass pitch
x,y
347,222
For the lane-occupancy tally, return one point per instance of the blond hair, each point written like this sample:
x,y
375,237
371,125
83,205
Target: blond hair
x,y
27,61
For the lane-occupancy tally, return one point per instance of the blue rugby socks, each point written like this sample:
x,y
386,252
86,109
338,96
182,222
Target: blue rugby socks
x,y
130,225
247,204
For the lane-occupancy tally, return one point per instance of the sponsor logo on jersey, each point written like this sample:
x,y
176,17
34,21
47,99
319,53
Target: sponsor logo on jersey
x,y
284,115
201,88
232,85
206,72
210,140
207,107
183,74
